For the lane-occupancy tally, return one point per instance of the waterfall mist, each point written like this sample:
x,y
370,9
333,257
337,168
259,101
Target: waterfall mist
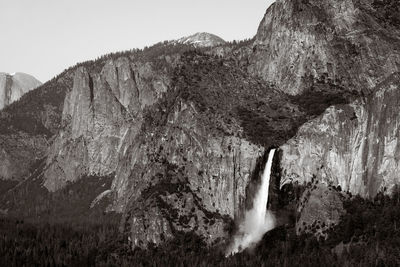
x,y
258,220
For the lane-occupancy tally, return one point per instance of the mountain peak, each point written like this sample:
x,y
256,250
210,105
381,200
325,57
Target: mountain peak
x,y
14,85
202,39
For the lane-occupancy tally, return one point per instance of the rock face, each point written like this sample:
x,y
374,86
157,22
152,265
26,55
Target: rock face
x,y
12,87
319,208
339,42
100,111
355,146
202,39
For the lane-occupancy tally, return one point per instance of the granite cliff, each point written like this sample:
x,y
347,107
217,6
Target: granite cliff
x,y
352,145
345,44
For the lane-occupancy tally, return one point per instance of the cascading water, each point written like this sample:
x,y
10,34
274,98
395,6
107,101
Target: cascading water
x,y
258,220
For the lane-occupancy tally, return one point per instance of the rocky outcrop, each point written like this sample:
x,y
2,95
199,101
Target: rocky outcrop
x,y
355,146
99,112
201,39
319,209
12,87
339,42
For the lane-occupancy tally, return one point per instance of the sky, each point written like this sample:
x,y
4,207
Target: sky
x,y
44,37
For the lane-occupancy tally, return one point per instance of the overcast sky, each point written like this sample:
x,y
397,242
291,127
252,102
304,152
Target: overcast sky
x,y
44,37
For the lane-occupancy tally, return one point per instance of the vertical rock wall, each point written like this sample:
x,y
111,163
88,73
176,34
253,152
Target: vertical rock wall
x,y
99,112
355,146
335,41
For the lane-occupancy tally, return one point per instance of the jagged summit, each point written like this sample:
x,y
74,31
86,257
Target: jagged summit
x,y
14,85
202,39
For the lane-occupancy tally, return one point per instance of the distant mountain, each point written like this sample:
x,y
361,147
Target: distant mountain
x,y
202,39
13,86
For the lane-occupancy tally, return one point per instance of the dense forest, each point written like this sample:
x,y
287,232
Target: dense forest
x,y
368,235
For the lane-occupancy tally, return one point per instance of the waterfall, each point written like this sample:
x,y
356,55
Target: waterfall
x,y
258,220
